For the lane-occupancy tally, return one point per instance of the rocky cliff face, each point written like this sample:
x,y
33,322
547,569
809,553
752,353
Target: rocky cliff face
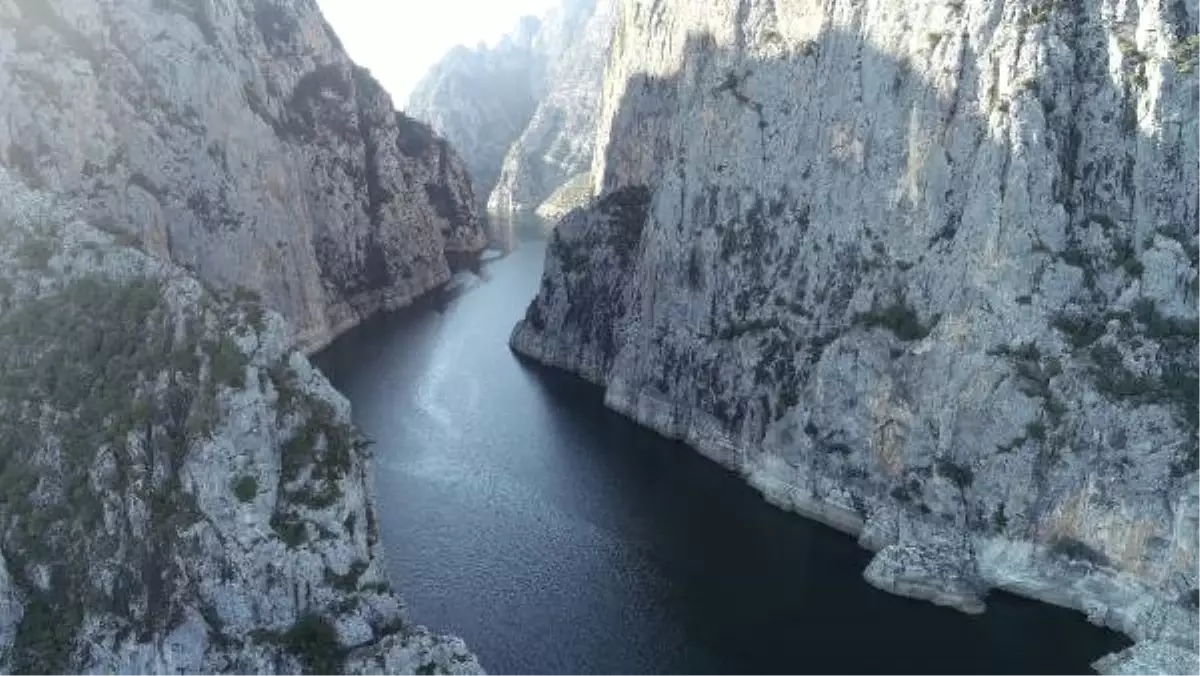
x,y
925,273
524,113
237,139
480,99
183,492
556,145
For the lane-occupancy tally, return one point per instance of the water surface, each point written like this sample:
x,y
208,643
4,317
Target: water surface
x,y
558,537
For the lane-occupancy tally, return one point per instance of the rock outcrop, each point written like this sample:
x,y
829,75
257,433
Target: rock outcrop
x,y
182,491
925,273
523,113
238,140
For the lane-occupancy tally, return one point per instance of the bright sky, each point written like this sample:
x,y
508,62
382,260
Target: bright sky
x,y
398,40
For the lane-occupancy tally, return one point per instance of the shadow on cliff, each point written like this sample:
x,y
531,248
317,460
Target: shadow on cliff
x,y
742,205
1094,183
1095,162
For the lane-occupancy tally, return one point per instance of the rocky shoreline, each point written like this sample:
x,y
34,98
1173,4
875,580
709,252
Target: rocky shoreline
x,y
918,558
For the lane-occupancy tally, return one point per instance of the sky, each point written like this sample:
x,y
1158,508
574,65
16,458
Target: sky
x,y
398,40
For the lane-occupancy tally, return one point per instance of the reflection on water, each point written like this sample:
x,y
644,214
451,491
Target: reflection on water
x,y
506,231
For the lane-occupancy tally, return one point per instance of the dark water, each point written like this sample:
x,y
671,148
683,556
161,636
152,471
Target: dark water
x,y
556,536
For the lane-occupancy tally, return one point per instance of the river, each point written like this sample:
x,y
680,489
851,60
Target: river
x,y
558,537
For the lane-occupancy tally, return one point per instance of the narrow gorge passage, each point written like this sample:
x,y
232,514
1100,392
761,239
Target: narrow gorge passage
x,y
557,536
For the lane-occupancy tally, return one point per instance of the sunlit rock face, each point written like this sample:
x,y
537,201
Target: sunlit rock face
x,y
523,113
183,491
481,99
237,139
545,165
925,272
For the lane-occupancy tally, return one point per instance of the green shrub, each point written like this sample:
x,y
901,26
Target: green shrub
x,y
228,363
289,529
1133,267
348,582
1184,54
314,642
695,273
899,318
46,634
1113,378
36,251
250,303
999,519
246,488
1080,330
959,475
1036,430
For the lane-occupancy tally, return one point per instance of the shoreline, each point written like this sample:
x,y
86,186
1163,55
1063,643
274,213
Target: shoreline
x,y
946,566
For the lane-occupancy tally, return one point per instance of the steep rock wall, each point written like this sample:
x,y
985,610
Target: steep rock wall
x,y
557,143
182,491
927,273
235,138
523,113
481,99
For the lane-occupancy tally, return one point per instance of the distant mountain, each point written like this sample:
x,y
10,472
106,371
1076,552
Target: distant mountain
x,y
481,99
523,114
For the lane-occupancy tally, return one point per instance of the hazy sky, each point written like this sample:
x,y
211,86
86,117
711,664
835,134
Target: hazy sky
x,y
400,39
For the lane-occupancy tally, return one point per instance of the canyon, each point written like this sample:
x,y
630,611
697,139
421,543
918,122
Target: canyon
x,y
926,275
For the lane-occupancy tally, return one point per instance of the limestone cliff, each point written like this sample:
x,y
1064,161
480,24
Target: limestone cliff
x,y
926,272
556,145
237,139
182,491
480,99
524,113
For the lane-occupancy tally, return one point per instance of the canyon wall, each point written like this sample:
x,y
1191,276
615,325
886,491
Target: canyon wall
x,y
481,99
924,272
523,113
237,139
556,145
182,491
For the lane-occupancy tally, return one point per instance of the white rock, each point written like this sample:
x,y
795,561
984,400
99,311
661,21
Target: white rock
x,y
927,266
238,140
